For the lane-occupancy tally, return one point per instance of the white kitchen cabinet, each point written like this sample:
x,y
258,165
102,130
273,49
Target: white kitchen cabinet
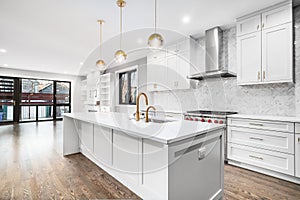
x,y
277,54
249,58
297,155
127,155
87,137
278,15
103,144
265,54
248,25
169,70
156,71
265,145
155,167
270,140
275,161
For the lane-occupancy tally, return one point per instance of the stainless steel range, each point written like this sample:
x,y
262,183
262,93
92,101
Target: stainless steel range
x,y
206,116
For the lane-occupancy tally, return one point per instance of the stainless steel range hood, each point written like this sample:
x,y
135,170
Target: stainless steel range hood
x,y
213,56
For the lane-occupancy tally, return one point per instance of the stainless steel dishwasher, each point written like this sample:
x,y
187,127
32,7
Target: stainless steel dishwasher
x,y
193,167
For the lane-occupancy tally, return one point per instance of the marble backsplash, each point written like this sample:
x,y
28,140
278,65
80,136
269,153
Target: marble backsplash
x,y
224,94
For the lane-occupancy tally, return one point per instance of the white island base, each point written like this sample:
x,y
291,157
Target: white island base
x,y
191,168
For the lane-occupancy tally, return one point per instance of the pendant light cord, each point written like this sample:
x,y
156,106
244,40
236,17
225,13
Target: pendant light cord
x,y
155,15
121,26
100,39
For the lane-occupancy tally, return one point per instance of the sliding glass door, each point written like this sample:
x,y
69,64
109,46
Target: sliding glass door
x,y
62,98
37,100
8,100
33,100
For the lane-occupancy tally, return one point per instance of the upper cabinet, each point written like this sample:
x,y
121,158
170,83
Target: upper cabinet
x,y
167,69
265,46
249,25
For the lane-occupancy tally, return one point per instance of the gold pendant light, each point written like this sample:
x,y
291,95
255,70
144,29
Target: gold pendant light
x,y
155,40
100,63
120,55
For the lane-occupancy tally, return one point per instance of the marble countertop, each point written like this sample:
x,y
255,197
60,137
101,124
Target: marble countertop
x,y
161,132
295,119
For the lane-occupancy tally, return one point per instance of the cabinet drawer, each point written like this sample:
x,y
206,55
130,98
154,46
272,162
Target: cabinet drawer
x,y
279,162
270,140
263,125
277,16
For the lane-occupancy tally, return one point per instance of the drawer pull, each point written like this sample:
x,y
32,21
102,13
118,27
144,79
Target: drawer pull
x,y
255,157
255,124
254,138
298,139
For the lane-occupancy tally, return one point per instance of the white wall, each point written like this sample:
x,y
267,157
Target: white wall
x,y
76,104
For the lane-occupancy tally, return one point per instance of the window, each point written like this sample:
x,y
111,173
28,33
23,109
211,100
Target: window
x,y
128,87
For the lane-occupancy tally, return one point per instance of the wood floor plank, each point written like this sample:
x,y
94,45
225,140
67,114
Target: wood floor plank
x,y
32,167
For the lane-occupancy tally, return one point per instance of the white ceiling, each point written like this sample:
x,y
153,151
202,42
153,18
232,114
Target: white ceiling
x,y
56,35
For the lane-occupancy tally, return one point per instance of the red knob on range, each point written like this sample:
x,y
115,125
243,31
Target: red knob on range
x,y
220,122
216,121
209,121
191,119
196,119
202,120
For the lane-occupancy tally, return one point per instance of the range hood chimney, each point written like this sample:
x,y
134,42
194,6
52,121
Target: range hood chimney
x,y
213,56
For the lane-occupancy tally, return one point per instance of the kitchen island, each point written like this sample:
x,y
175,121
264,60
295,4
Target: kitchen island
x,y
164,159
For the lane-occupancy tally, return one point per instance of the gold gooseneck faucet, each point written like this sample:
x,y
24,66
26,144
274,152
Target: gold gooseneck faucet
x,y
137,114
147,113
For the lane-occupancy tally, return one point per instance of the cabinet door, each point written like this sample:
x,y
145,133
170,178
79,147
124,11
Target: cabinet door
x,y
103,144
155,168
126,155
249,58
249,25
277,16
277,55
156,72
87,137
297,155
183,69
172,74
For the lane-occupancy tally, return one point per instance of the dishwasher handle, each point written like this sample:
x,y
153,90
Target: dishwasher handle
x,y
201,153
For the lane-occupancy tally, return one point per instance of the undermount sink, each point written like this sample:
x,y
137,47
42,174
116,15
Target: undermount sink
x,y
160,121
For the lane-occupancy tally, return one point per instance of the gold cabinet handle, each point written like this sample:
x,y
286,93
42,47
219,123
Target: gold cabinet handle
x,y
264,75
258,75
258,27
298,139
254,138
255,157
263,25
255,124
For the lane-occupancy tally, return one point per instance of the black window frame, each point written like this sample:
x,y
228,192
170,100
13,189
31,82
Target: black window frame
x,y
129,72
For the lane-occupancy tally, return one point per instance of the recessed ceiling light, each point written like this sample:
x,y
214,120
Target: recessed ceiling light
x,y
186,19
81,63
5,65
3,51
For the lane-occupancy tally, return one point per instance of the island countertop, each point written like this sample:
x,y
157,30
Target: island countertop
x,y
166,133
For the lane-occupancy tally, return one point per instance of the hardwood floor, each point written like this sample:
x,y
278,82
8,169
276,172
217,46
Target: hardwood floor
x,y
32,167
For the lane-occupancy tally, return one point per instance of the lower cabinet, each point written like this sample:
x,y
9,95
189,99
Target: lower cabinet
x,y
265,146
189,168
126,155
155,168
103,144
86,136
275,161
